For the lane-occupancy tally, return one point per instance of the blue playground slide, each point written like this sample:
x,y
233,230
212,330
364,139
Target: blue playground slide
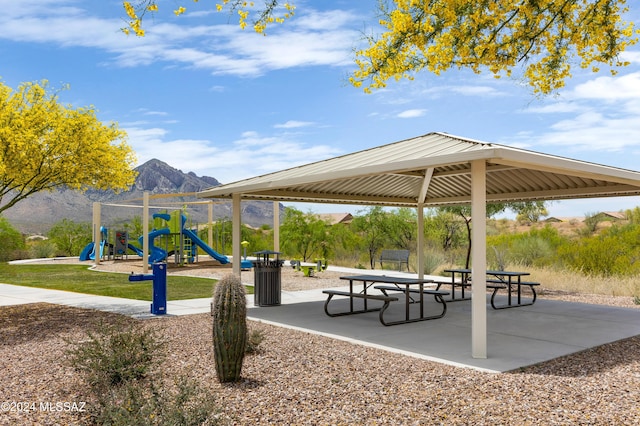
x,y
135,249
157,254
211,252
89,251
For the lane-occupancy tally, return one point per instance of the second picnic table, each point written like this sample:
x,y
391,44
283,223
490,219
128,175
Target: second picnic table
x,y
503,280
398,284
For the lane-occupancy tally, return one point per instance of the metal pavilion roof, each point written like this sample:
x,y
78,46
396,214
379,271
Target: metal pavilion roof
x,y
434,169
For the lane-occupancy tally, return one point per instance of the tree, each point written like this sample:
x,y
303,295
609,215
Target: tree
x,y
445,227
372,227
492,209
70,237
542,35
401,227
305,234
11,240
271,13
496,35
530,212
45,145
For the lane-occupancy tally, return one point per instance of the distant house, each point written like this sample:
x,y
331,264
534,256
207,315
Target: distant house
x,y
335,218
569,219
610,216
601,217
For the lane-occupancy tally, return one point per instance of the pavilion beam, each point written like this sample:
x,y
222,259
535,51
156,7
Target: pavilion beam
x,y
478,259
310,197
425,185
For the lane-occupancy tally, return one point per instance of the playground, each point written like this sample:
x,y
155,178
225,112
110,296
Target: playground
x,y
170,240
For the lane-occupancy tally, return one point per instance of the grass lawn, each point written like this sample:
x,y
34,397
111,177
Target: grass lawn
x,y
79,279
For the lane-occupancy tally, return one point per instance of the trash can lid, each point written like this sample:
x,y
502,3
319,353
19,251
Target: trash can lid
x,y
266,252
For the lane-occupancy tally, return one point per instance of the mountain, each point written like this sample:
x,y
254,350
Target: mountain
x,y
37,213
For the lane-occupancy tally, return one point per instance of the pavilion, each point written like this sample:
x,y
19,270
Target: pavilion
x,y
436,169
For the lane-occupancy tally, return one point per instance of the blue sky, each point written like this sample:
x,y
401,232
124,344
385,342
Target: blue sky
x,y
205,96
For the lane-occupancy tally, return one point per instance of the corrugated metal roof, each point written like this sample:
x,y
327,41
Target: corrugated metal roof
x,y
434,169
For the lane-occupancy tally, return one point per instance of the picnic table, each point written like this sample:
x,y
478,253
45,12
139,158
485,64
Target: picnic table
x,y
386,285
503,280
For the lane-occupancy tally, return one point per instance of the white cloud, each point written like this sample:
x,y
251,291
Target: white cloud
x,y
556,108
600,115
412,113
250,155
473,90
610,88
316,39
292,124
631,56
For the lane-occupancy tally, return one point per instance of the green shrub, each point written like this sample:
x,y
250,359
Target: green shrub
x,y
154,404
119,353
11,241
121,365
530,251
537,247
42,250
432,260
615,252
253,341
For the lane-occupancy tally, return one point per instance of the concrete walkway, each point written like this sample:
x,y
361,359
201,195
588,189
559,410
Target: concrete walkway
x,y
516,337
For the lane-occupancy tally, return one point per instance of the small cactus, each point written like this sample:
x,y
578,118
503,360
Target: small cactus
x,y
229,312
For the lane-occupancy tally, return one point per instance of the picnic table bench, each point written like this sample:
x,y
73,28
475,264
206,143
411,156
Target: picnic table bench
x,y
399,257
504,280
391,284
507,284
365,296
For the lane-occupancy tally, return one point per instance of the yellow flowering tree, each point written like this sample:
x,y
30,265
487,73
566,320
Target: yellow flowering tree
x,y
46,145
273,11
542,36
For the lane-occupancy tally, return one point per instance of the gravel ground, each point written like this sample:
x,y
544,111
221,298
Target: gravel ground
x,y
301,378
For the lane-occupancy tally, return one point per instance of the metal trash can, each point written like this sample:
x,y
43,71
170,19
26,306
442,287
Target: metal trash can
x,y
267,278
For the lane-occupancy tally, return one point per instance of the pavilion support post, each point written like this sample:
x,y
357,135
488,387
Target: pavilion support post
x,y
210,224
236,236
420,241
96,232
276,226
478,259
145,232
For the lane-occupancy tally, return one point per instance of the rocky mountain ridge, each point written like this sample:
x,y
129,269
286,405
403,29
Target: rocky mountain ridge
x,y
36,214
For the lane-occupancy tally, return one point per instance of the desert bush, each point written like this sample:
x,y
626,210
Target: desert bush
x,y
42,249
254,339
432,260
536,247
614,252
119,353
11,241
121,366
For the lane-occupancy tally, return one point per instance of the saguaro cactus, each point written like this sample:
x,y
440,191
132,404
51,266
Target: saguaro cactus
x,y
229,312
